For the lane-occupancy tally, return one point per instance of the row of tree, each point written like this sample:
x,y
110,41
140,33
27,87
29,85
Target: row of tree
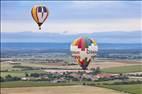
x,y
9,78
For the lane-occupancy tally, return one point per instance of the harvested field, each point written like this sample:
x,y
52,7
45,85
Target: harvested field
x,y
78,89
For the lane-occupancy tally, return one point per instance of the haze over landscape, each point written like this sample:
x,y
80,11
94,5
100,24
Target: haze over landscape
x,y
100,37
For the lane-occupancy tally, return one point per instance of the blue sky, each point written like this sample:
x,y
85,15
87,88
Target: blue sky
x,y
73,16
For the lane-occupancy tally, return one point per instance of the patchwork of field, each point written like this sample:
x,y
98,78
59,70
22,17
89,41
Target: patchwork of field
x,y
110,66
77,89
102,64
106,66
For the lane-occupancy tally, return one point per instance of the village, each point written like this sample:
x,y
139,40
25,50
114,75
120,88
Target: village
x,y
78,75
58,75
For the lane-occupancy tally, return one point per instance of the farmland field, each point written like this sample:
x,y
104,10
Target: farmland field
x,y
76,89
42,87
15,84
123,69
106,66
20,73
132,88
98,63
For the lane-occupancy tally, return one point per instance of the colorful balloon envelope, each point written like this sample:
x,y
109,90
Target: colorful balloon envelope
x,y
39,14
83,50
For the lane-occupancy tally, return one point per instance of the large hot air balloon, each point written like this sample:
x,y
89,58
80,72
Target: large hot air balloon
x,y
39,14
83,50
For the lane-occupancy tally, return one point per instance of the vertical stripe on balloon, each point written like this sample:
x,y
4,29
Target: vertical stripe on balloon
x,y
34,14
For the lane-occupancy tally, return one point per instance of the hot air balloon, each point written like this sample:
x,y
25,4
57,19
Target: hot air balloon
x,y
39,14
83,50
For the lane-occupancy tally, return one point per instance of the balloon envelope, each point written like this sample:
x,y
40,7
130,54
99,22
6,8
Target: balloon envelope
x,y
83,50
39,14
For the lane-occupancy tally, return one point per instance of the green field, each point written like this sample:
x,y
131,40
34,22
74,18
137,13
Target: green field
x,y
14,84
124,69
20,73
131,88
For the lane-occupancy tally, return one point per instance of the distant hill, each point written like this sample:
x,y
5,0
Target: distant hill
x,y
101,37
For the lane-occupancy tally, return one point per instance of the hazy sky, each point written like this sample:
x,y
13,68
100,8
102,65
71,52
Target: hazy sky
x,y
73,16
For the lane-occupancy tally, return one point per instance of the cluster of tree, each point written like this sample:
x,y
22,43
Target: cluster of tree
x,y
1,79
34,75
3,70
124,82
23,67
9,78
127,82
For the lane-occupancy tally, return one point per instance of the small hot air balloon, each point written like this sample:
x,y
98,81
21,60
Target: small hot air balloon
x,y
39,14
83,50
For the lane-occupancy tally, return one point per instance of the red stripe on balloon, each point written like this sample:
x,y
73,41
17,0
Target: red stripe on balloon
x,y
79,43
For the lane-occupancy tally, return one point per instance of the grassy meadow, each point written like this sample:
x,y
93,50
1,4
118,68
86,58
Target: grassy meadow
x,y
131,88
20,73
14,84
123,69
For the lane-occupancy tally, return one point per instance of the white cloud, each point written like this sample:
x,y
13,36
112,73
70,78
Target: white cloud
x,y
73,27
